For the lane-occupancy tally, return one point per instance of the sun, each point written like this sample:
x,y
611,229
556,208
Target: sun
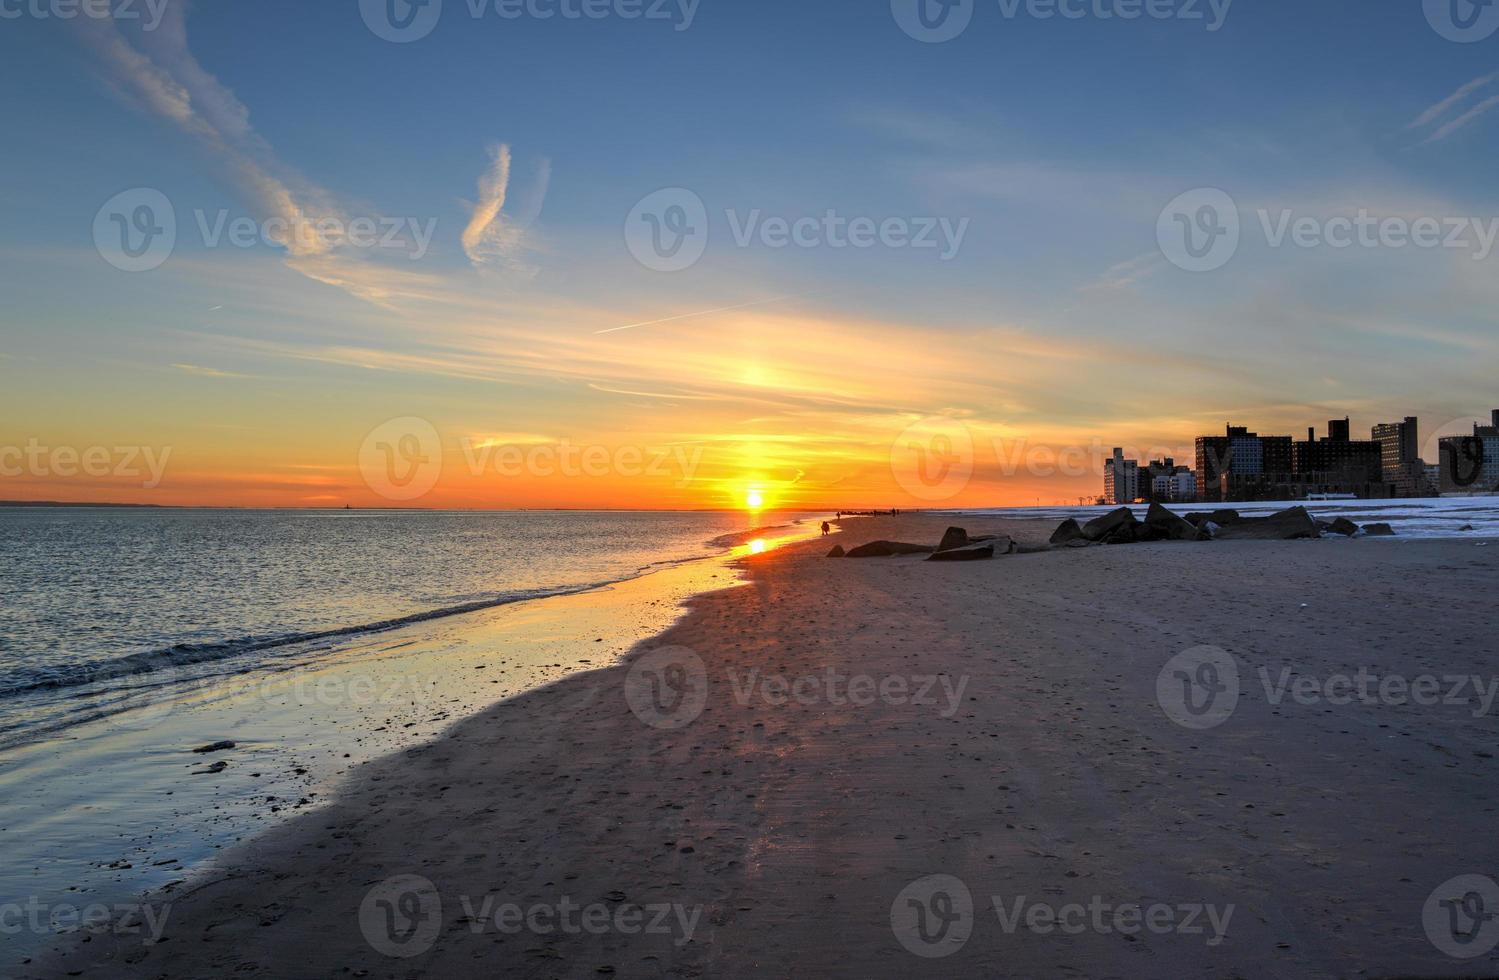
x,y
755,500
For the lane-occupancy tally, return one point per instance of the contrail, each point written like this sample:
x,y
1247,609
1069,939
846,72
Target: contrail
x,y
687,316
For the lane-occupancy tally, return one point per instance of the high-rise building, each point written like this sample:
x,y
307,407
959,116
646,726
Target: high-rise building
x,y
1337,464
1400,456
1166,482
1241,465
1121,479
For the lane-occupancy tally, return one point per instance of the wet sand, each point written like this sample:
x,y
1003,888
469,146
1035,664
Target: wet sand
x,y
996,722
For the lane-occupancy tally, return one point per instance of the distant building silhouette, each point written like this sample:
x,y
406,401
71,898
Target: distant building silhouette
x,y
1400,457
1121,479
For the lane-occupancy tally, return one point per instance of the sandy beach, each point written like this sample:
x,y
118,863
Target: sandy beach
x,y
767,789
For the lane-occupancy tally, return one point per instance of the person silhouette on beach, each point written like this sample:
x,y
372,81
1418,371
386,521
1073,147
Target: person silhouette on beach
x,y
825,529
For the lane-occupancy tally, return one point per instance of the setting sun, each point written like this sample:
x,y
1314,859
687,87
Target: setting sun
x,y
755,499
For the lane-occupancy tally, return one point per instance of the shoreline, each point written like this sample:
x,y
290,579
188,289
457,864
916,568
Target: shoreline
x,y
92,815
809,818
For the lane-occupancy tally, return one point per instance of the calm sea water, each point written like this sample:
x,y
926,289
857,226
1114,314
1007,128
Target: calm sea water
x,y
97,602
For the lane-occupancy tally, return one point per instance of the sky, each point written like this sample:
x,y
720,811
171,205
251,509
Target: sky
x,y
699,253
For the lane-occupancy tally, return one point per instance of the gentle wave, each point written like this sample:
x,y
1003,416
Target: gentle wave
x,y
187,654
54,677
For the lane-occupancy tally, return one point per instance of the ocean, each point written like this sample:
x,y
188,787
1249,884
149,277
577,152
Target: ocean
x,y
107,608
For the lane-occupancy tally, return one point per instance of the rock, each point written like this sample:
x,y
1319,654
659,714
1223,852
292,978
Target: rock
x,y
885,549
1078,543
1069,531
212,770
1379,530
837,551
1222,518
1170,527
1344,527
1466,527
1285,526
973,552
1106,526
1124,534
215,747
955,537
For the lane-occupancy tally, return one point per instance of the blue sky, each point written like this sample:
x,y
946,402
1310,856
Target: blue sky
x,y
1055,142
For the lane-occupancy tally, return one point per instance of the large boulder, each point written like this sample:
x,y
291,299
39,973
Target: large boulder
x,y
1287,525
1222,518
956,537
972,552
1344,527
887,549
837,551
1109,526
1164,525
1379,530
1069,532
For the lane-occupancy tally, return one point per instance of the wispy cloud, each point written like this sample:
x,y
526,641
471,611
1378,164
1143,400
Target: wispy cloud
x,y
492,234
207,372
1129,272
158,73
688,316
1451,104
1465,119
